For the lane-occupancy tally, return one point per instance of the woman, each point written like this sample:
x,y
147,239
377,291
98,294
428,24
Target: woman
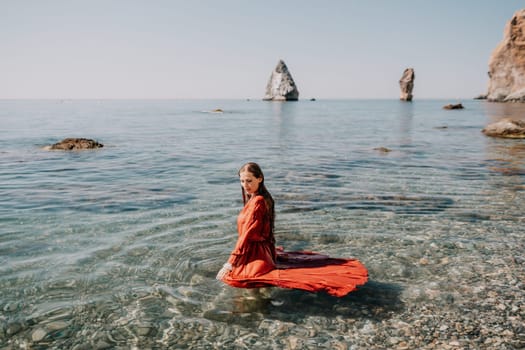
x,y
254,253
255,262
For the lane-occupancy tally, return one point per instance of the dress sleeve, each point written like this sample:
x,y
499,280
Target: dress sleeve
x,y
251,230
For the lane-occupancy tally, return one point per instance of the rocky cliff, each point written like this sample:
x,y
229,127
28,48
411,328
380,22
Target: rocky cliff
x,y
507,63
281,86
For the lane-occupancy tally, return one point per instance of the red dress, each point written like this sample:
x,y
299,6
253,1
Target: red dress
x,y
257,263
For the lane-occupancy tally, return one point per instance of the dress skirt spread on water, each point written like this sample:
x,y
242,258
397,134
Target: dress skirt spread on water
x,y
257,263
307,271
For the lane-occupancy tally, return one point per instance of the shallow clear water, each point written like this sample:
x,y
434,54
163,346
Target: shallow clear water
x,y
120,246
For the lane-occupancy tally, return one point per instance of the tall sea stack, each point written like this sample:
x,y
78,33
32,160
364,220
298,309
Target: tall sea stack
x,y
281,86
406,84
507,63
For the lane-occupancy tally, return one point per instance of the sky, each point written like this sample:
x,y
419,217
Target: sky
x,y
161,49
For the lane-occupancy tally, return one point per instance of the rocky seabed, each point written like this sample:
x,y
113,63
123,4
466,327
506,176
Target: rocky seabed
x,y
467,296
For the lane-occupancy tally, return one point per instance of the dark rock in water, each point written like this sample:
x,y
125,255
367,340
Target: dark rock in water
x,y
382,149
506,128
454,106
406,84
507,63
281,86
73,144
481,97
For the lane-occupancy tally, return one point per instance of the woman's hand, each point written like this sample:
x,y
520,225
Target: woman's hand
x,y
223,271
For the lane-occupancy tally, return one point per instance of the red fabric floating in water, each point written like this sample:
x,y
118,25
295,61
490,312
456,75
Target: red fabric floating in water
x,y
257,263
307,271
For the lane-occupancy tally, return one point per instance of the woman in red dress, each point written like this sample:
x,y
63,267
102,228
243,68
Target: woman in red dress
x,y
255,262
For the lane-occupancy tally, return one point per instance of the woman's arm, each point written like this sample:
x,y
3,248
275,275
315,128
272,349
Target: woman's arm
x,y
251,230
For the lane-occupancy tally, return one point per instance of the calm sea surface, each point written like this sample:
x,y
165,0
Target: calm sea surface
x,y
119,247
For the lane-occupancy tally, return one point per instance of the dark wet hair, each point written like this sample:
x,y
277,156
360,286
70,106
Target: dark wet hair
x,y
256,171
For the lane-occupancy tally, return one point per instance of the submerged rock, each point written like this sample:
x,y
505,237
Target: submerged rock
x,y
281,86
454,106
406,84
506,128
507,63
73,144
38,335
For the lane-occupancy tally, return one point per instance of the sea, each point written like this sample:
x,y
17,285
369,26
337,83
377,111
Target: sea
x,y
118,247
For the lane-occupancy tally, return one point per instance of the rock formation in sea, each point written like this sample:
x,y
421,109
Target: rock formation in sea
x,y
281,86
507,128
406,84
73,144
507,63
383,149
453,106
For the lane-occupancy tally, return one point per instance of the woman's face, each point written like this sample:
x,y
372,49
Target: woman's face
x,y
249,182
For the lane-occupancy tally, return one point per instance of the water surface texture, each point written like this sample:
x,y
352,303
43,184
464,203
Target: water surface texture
x,y
119,247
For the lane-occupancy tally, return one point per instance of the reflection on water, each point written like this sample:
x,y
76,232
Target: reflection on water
x,y
497,111
506,157
406,116
119,248
284,117
509,157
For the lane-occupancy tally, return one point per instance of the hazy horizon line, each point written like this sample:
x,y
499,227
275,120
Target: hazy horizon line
x,y
308,99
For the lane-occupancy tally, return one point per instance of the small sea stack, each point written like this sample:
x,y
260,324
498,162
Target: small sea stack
x,y
506,128
75,144
281,86
406,84
507,63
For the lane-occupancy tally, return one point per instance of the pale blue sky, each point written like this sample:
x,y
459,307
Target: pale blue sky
x,y
228,48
